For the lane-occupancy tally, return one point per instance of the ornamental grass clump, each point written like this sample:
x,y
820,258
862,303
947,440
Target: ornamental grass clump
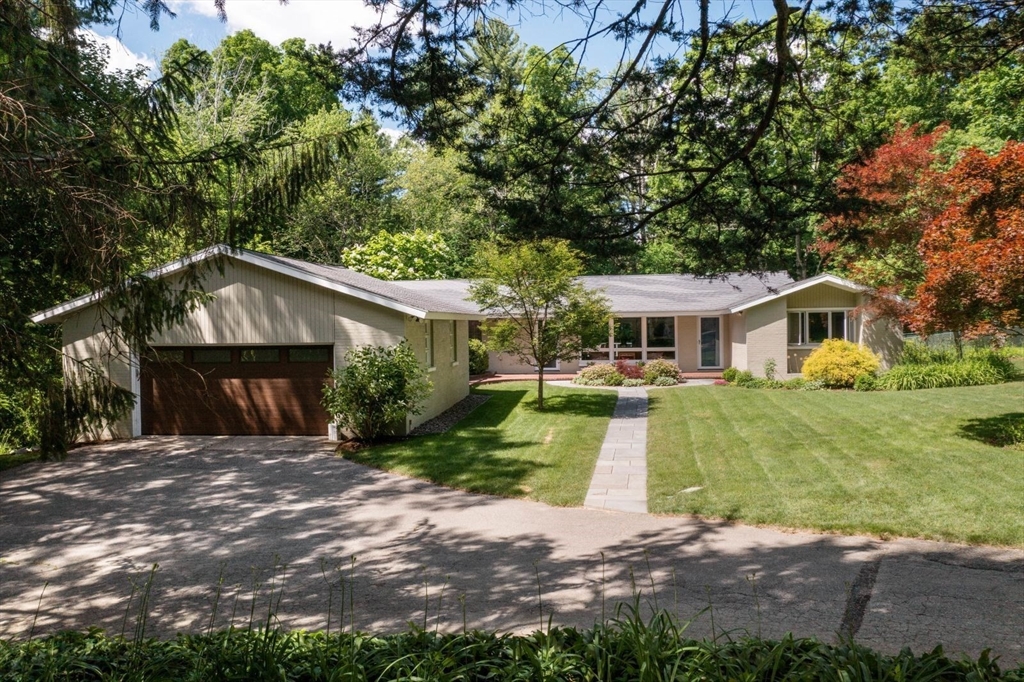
x,y
838,363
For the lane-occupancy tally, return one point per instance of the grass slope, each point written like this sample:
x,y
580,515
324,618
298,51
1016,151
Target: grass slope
x,y
507,448
914,463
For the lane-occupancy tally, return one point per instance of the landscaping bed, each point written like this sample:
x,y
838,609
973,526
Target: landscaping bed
x,y
626,649
507,447
934,463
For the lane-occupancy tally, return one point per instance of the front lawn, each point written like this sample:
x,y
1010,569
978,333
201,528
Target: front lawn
x,y
506,447
913,463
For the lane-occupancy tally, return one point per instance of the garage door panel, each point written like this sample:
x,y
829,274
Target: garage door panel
x,y
233,398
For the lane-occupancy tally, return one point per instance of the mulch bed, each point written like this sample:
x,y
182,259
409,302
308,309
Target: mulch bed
x,y
450,417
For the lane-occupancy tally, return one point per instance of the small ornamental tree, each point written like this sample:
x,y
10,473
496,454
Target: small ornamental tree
x,y
539,310
974,251
404,255
376,389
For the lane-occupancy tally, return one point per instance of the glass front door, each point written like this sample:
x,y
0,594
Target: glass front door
x,y
710,342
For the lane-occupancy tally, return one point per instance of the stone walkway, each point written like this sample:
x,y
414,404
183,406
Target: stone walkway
x,y
620,478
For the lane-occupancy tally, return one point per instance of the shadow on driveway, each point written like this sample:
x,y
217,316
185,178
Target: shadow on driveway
x,y
285,516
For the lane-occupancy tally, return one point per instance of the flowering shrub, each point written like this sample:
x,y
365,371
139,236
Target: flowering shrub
x,y
595,375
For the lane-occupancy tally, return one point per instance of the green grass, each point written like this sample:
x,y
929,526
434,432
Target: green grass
x,y
507,447
9,460
914,463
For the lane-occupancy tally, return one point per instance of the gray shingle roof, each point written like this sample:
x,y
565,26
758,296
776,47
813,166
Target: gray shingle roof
x,y
677,294
391,290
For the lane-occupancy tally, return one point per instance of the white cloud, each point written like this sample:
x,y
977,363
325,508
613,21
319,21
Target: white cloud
x,y
318,21
118,56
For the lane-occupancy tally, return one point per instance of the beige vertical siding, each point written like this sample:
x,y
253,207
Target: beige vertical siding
x,y
823,296
360,323
766,335
84,338
737,341
450,379
252,305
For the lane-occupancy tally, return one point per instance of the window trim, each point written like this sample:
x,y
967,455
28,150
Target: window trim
x,y
429,339
453,338
848,333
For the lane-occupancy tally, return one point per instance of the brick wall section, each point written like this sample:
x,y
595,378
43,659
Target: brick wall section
x,y
766,335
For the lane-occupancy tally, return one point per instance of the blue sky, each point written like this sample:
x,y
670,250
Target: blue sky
x,y
320,21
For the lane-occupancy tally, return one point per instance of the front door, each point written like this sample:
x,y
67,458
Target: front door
x,y
710,342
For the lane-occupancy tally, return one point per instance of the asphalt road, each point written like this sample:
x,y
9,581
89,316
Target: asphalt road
x,y
280,525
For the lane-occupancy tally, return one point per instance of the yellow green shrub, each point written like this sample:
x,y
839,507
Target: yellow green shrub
x,y
838,363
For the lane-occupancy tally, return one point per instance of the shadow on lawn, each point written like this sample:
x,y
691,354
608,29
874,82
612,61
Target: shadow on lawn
x,y
1001,430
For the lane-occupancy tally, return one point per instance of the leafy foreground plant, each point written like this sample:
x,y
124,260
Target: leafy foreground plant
x,y
626,648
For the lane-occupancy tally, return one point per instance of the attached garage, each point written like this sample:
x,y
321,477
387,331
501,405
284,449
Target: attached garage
x,y
220,391
253,358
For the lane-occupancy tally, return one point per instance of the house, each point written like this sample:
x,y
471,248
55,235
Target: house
x,y
253,359
707,324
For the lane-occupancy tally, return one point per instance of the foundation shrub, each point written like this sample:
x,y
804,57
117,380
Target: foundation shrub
x,y
596,375
479,361
629,371
376,389
730,374
838,363
660,369
866,382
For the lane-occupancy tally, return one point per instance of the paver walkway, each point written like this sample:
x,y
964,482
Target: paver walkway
x,y
620,477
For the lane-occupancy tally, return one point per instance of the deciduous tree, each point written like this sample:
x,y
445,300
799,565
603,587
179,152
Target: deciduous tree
x,y
973,251
540,312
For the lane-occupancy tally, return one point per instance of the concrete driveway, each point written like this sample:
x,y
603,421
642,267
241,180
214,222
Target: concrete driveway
x,y
284,519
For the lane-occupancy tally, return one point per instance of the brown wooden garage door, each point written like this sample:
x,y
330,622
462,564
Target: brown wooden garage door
x,y
264,391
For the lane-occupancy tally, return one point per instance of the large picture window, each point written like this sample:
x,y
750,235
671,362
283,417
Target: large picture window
x,y
811,327
627,332
661,332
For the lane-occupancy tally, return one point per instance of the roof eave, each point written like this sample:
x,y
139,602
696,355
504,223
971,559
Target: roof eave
x,y
55,313
837,282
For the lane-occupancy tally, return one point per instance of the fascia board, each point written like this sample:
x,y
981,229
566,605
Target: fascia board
x,y
837,282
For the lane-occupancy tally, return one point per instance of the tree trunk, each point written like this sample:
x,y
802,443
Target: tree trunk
x,y
540,386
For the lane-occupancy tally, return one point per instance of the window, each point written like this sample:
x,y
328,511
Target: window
x,y
209,356
260,355
302,354
627,332
661,332
428,335
453,337
814,326
161,355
